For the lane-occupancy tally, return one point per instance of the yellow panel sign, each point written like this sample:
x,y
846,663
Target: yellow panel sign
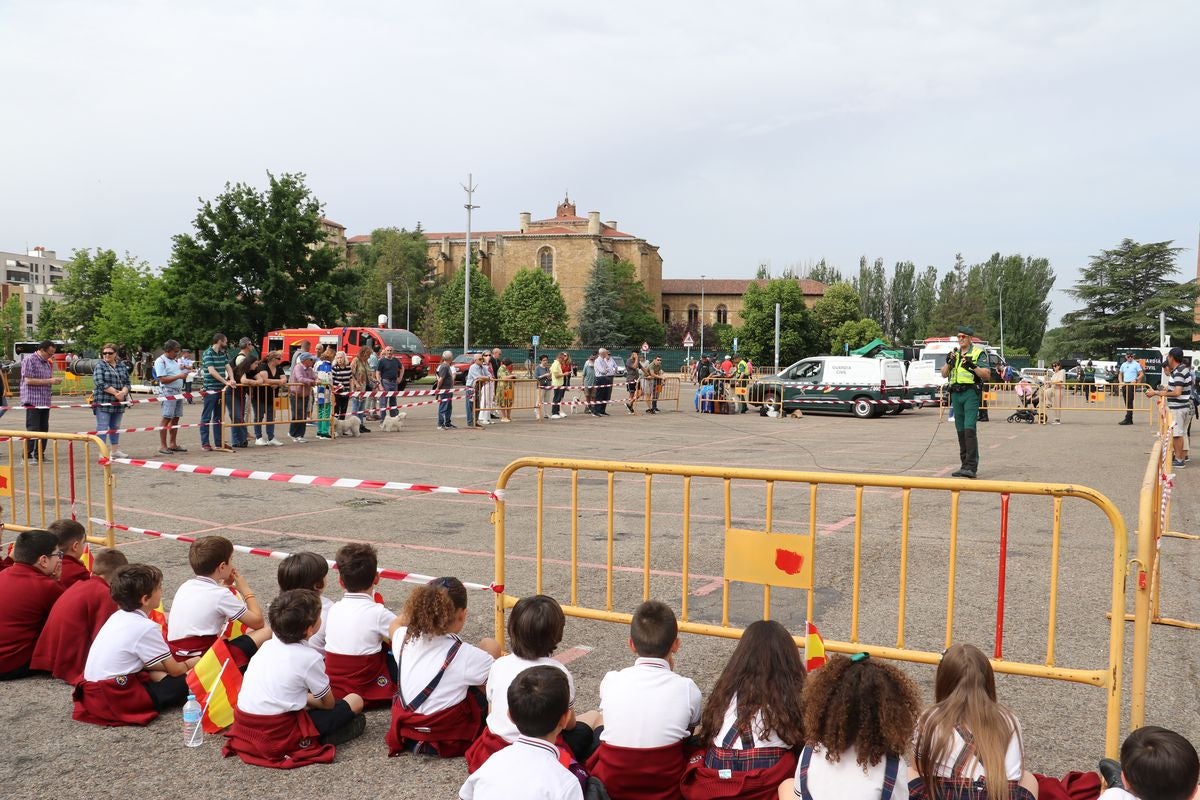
x,y
6,484
989,397
774,559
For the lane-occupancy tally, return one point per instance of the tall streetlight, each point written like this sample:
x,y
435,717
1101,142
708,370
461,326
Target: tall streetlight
x,y
469,188
701,317
1000,284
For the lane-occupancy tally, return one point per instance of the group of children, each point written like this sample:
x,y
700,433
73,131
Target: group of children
x,y
854,728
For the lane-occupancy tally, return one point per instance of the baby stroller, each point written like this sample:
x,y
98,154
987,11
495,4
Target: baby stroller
x,y
1030,396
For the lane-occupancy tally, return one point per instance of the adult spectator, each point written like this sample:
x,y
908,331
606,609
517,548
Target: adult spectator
x,y
445,387
1089,380
245,350
173,381
1058,383
267,377
727,366
589,383
606,368
479,369
373,402
360,381
633,380
37,378
703,370
110,393
652,384
237,396
218,376
506,391
558,384
1131,374
542,374
342,376
389,372
489,392
1177,389
300,385
245,378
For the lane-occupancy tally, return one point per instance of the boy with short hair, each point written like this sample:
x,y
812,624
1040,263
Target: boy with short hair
x,y
307,570
648,712
72,539
357,631
539,703
1156,764
28,590
205,604
130,674
76,619
287,715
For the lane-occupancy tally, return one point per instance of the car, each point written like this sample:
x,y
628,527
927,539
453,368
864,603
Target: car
x,y
816,384
461,364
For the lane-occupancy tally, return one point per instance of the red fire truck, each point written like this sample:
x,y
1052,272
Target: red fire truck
x,y
409,348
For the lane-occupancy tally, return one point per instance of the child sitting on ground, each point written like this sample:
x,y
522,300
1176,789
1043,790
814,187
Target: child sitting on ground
x,y
753,721
72,540
967,740
648,712
1156,764
538,702
356,630
307,571
76,618
28,590
287,715
204,605
438,705
859,715
130,674
535,628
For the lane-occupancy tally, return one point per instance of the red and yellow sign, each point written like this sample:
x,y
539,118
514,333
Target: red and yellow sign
x,y
772,559
6,484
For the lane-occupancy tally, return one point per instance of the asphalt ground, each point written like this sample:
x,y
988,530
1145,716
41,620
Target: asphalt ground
x,y
46,754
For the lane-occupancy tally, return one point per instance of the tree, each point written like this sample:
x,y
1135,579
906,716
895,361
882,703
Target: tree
x,y
256,261
12,323
763,272
130,314
923,307
872,290
485,309
799,335
88,280
617,309
959,302
903,294
1026,284
854,334
397,256
824,273
533,304
638,315
839,304
678,329
1123,290
49,322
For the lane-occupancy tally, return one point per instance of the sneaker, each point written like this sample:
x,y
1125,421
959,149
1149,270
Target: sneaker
x,y
363,429
299,439
506,420
1110,770
1177,462
1125,422
260,442
1057,422
119,454
274,442
451,426
206,448
441,427
348,732
177,449
324,436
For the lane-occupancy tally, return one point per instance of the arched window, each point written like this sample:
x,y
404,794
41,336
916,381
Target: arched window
x,y
546,261
722,315
666,315
693,315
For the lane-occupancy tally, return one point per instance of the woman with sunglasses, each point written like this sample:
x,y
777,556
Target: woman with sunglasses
x,y
110,393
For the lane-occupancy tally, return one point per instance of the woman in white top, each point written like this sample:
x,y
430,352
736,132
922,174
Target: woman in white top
x,y
859,715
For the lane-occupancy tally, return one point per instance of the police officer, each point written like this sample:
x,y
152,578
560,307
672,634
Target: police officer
x,y
965,375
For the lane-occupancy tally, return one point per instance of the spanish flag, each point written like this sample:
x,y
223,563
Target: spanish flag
x,y
814,648
216,681
159,615
85,557
235,628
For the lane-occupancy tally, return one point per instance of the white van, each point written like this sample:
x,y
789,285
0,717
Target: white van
x,y
835,383
925,372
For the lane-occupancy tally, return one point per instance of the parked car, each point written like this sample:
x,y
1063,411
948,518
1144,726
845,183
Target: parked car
x,y
461,364
811,383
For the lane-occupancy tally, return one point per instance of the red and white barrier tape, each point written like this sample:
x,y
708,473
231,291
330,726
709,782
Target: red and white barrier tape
x,y
131,402
393,574
407,392
304,480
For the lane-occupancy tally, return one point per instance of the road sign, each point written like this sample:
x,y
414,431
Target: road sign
x,y
735,345
645,347
536,340
688,341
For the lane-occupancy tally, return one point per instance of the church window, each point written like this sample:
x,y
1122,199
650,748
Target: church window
x,y
722,315
546,261
666,315
693,315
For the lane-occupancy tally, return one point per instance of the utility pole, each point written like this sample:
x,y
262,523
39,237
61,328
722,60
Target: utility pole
x,y
1001,285
389,303
702,317
469,187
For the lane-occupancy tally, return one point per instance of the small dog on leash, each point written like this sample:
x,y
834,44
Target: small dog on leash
x,y
347,427
392,423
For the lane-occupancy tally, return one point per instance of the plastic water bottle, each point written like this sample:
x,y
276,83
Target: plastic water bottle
x,y
193,734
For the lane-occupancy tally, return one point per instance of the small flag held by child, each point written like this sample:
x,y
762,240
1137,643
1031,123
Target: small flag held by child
x,y
814,648
216,681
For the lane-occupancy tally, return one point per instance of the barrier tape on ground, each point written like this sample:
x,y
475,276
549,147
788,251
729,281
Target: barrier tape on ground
x,y
304,480
393,574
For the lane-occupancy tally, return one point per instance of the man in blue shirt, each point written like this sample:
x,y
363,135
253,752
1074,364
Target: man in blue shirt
x,y
1131,373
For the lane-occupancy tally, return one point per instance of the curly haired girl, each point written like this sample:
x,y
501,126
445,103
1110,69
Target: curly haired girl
x,y
437,709
753,720
859,715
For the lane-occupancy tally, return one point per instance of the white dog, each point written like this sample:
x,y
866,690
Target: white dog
x,y
347,427
392,424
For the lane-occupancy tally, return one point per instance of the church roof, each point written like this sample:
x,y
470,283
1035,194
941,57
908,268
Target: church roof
x,y
729,285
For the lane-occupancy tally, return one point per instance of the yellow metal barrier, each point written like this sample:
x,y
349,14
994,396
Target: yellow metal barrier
x,y
510,394
758,553
1113,398
729,394
65,480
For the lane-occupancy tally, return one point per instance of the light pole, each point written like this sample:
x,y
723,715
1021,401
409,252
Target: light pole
x,y
1000,284
469,188
701,317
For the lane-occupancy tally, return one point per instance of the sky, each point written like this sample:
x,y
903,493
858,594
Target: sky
x,y
727,134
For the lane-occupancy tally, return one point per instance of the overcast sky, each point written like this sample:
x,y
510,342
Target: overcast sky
x,y
727,134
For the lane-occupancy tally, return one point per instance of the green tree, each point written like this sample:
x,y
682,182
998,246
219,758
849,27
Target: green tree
x,y
485,310
638,314
960,301
839,304
12,323
1026,285
854,334
256,261
923,307
871,285
903,304
397,256
533,304
130,314
824,273
88,280
1122,291
49,322
599,323
799,335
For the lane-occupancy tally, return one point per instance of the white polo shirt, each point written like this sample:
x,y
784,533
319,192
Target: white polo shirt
x,y
504,671
647,705
280,677
421,659
202,607
126,644
846,779
761,736
317,640
530,770
356,625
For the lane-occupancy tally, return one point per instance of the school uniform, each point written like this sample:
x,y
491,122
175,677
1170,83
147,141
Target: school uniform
x,y
272,724
73,571
960,774
746,762
199,613
818,778
648,712
531,769
317,640
434,710
74,622
354,656
501,731
26,597
116,690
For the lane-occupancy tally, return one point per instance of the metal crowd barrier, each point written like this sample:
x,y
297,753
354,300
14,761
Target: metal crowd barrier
x,y
611,531
508,395
728,395
66,481
1057,398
